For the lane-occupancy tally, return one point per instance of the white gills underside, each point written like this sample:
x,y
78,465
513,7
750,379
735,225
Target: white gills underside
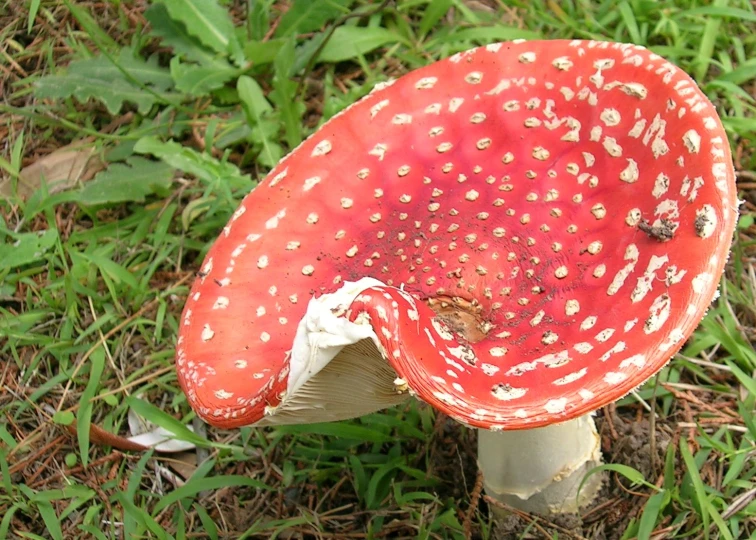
x,y
337,370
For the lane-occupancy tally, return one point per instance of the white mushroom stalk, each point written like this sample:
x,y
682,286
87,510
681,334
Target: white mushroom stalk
x,y
517,235
541,470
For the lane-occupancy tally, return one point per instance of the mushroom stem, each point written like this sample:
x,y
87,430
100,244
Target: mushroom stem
x,y
540,470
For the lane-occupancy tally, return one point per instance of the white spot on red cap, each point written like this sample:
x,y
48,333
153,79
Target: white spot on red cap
x,y
556,406
506,392
207,333
221,303
322,148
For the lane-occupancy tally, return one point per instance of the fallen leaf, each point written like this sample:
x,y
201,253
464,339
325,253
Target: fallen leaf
x,y
151,436
62,169
184,464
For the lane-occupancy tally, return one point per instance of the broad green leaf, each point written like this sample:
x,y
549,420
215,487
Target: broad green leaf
x,y
26,248
310,15
209,22
349,42
84,415
133,181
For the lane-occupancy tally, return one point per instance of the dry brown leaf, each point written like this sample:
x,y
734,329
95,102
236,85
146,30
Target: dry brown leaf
x,y
62,169
184,464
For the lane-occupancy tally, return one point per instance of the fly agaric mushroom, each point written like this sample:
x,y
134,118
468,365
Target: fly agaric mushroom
x,y
517,235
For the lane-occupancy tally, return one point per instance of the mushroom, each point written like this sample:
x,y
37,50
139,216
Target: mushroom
x,y
517,235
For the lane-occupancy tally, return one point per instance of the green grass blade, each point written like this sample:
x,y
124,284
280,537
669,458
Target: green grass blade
x,y
84,415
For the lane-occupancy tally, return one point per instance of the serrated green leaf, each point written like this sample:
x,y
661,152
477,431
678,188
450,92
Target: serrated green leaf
x,y
147,72
200,80
113,94
187,159
26,248
98,78
208,22
349,42
310,15
131,181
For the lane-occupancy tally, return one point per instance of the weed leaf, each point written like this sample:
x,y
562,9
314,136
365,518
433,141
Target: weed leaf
x,y
201,165
200,80
131,181
98,78
26,248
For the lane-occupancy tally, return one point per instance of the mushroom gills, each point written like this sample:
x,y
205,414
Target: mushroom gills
x,y
329,395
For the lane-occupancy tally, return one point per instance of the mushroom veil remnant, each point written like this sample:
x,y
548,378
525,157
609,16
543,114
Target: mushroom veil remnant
x,y
517,235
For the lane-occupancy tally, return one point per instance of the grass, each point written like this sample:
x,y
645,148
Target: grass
x,y
106,248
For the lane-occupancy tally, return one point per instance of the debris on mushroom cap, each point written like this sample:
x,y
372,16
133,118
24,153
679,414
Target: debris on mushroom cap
x,y
549,220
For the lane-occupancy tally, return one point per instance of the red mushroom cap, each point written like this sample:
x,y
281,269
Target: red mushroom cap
x,y
549,220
